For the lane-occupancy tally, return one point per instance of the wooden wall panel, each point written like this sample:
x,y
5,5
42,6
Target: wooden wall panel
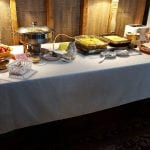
x,y
98,16
83,16
67,17
28,11
129,13
148,20
5,23
112,17
140,11
50,13
14,21
63,16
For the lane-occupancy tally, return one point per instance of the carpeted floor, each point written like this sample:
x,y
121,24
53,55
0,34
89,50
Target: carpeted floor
x,y
123,128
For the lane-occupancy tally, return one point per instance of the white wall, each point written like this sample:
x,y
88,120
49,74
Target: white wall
x,y
148,21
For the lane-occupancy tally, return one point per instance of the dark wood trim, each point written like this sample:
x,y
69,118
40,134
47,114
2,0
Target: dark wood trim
x,y
146,12
141,4
50,13
83,14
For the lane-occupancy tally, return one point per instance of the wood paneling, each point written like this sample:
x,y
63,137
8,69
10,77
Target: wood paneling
x,y
146,20
14,22
112,17
129,13
72,17
28,11
5,23
50,13
67,17
84,15
140,11
98,16
63,16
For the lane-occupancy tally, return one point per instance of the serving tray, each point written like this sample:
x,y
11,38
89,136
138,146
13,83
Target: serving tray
x,y
115,40
89,44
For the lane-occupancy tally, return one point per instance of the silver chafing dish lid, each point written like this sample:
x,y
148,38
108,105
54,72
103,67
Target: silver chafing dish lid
x,y
34,29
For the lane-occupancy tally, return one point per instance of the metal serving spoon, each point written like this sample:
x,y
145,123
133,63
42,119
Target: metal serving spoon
x,y
107,55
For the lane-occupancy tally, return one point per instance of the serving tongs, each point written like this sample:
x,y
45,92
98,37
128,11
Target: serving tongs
x,y
107,55
112,52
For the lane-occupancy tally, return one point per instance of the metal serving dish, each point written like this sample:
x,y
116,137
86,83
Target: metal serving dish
x,y
115,40
33,36
90,44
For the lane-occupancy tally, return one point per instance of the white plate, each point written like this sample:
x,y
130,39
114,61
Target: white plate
x,y
50,57
61,52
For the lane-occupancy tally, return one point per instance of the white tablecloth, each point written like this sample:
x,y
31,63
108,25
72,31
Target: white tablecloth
x,y
61,90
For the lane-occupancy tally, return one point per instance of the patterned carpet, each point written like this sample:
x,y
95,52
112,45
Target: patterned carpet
x,y
123,128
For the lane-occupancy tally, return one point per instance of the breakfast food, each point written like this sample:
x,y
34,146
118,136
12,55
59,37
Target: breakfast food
x,y
4,55
145,47
115,39
63,46
4,51
89,43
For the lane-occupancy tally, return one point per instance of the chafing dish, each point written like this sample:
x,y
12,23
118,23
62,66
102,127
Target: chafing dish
x,y
89,44
116,40
33,36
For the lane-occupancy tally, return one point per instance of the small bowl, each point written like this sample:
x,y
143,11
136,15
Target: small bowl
x,y
3,63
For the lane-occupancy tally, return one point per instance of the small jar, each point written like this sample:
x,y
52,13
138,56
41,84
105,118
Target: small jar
x,y
133,38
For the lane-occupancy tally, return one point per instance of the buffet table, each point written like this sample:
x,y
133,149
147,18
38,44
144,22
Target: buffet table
x,y
62,90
